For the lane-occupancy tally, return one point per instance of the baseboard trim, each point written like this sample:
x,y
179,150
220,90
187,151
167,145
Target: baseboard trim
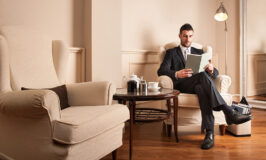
x,y
257,104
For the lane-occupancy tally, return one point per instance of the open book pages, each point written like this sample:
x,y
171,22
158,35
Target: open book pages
x,y
198,62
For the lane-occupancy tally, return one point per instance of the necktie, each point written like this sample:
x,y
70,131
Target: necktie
x,y
186,51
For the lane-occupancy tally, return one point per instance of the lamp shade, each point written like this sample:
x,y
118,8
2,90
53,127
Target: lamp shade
x,y
221,13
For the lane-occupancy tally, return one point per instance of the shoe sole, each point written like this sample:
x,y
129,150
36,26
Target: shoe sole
x,y
207,148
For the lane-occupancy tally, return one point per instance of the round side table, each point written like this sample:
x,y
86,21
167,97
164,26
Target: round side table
x,y
163,94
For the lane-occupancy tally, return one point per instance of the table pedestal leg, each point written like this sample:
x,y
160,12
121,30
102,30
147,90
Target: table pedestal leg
x,y
168,107
176,117
131,107
169,126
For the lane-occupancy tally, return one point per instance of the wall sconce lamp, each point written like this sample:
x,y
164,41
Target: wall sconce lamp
x,y
221,15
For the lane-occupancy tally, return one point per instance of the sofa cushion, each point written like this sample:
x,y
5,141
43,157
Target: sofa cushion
x,y
61,92
79,123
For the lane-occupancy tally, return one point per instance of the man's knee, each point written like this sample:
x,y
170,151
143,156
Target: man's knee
x,y
198,89
205,76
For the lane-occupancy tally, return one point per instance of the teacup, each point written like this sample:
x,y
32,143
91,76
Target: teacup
x,y
153,84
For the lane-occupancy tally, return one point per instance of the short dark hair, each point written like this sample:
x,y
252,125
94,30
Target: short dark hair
x,y
186,27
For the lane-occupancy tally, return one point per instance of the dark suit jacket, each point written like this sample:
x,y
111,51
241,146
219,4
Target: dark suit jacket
x,y
174,61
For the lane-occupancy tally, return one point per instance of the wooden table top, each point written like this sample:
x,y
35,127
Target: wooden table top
x,y
163,93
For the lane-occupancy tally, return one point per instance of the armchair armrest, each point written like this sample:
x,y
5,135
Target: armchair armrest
x,y
31,104
222,83
90,93
165,82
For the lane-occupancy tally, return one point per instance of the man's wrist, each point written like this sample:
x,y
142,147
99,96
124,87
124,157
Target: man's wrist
x,y
176,75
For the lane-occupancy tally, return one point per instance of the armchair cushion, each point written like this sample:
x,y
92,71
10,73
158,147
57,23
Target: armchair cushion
x,y
61,92
81,123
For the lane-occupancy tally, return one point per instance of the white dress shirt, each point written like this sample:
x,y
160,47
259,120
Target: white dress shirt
x,y
185,51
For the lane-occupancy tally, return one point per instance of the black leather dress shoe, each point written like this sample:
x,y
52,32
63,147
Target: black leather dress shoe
x,y
233,117
208,141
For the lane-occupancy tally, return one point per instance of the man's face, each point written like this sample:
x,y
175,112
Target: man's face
x,y
186,37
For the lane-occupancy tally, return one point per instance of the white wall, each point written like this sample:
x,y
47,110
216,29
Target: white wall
x,y
59,19
256,22
103,26
233,52
149,24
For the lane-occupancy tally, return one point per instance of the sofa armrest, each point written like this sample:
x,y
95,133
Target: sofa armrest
x,y
222,83
90,93
31,104
165,82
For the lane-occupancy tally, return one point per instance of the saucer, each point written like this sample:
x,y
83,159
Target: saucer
x,y
153,89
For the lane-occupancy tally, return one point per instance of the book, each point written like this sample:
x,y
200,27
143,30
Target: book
x,y
198,62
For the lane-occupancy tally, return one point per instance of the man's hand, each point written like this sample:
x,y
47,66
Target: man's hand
x,y
184,73
209,67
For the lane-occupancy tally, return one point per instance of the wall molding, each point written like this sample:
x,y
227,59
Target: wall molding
x,y
141,57
257,91
153,52
140,62
77,62
256,53
255,74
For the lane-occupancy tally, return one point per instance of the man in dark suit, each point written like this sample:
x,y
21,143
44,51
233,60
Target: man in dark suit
x,y
201,84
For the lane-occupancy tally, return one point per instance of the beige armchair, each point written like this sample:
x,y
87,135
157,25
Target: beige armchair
x,y
189,111
32,125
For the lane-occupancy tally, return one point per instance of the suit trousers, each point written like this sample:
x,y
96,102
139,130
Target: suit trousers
x,y
208,95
